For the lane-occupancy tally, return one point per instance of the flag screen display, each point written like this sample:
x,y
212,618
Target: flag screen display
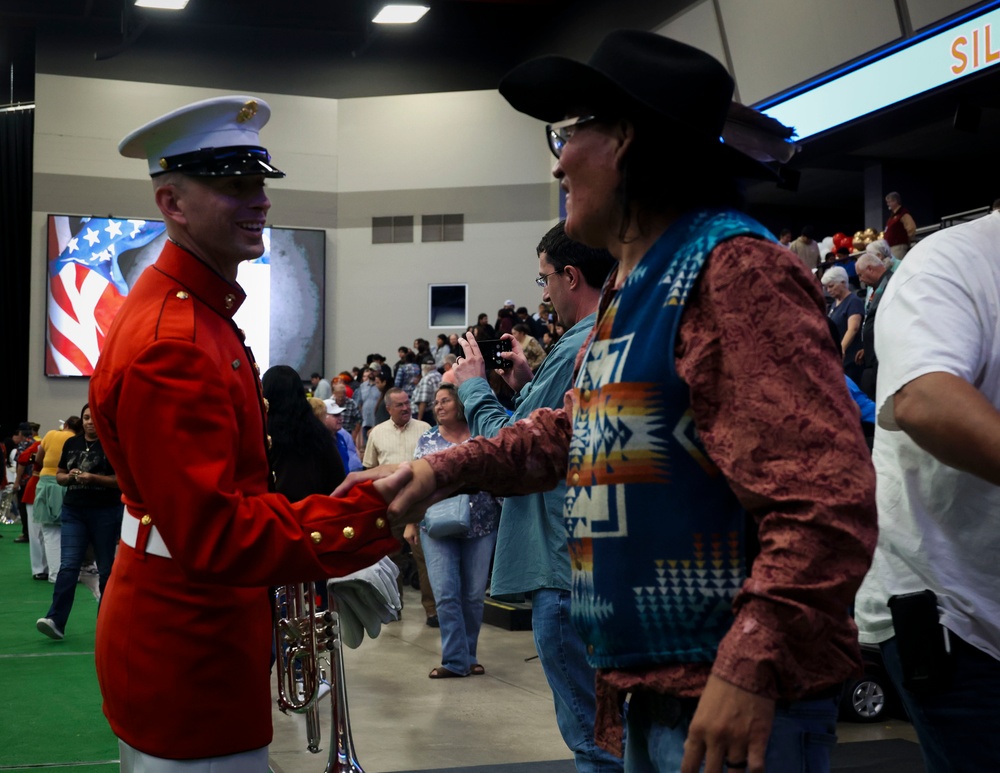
x,y
92,262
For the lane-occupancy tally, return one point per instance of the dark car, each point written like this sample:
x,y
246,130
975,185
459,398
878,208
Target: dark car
x,y
871,697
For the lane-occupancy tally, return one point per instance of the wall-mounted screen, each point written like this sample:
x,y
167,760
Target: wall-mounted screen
x,y
93,261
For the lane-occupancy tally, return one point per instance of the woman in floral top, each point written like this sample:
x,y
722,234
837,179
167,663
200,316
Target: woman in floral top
x,y
458,567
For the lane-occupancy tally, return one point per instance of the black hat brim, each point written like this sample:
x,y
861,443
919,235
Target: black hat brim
x,y
222,162
551,87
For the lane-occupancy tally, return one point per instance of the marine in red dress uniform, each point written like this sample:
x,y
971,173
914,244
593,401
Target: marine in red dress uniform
x,y
184,632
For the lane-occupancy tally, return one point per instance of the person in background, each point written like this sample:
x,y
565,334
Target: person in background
x,y
876,275
931,601
532,556
407,372
533,351
302,455
25,436
91,515
785,237
423,395
351,414
383,384
846,313
333,420
367,398
806,248
49,494
393,442
440,348
320,387
458,567
900,228
28,476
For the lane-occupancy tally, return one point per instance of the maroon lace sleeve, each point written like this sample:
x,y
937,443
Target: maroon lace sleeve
x,y
528,456
772,408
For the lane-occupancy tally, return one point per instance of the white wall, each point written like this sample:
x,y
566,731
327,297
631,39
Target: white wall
x,y
347,161
458,152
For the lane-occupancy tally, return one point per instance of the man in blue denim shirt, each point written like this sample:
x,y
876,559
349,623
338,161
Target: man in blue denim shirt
x,y
531,554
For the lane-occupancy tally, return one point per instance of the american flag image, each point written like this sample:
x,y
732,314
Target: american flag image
x,y
86,286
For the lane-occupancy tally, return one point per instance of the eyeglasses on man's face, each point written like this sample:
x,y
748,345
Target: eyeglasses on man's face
x,y
558,134
543,280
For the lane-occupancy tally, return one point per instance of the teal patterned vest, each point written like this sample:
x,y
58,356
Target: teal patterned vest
x,y
655,534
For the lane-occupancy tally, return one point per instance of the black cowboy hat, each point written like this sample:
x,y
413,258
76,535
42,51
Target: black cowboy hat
x,y
641,76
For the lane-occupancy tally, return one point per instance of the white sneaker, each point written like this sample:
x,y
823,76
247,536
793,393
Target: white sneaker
x,y
49,628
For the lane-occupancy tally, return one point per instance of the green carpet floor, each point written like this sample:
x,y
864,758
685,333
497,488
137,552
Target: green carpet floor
x,y
52,705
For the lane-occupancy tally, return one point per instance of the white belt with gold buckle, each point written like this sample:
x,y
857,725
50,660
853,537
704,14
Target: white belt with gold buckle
x,y
130,532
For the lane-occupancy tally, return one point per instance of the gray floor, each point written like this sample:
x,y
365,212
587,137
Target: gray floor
x,y
401,720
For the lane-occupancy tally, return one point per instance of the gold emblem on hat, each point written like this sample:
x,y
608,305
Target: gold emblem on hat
x,y
163,163
249,111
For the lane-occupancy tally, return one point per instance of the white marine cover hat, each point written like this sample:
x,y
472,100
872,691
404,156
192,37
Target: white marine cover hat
x,y
216,137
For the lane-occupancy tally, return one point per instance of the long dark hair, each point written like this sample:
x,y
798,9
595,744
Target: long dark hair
x,y
290,418
663,171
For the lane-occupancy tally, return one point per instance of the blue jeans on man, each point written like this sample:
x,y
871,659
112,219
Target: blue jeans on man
x,y
802,736
99,526
459,569
956,726
564,660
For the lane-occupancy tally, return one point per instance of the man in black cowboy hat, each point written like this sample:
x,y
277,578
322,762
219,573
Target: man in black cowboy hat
x,y
715,544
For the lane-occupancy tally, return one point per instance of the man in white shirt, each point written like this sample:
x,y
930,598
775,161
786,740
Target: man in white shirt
x,y
393,442
937,458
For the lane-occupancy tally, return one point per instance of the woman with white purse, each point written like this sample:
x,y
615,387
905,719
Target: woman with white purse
x,y
458,536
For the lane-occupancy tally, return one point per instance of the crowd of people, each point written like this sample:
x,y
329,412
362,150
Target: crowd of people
x,y
680,480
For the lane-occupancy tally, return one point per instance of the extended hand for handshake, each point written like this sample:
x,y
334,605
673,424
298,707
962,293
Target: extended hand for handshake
x,y
369,598
409,488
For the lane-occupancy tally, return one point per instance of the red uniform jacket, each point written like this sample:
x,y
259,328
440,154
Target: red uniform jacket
x,y
183,643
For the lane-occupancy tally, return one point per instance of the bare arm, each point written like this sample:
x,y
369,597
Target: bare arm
x,y
951,420
853,326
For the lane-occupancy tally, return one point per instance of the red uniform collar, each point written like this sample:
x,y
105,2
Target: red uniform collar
x,y
204,283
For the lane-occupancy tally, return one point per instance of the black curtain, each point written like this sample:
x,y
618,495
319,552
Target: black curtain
x,y
16,296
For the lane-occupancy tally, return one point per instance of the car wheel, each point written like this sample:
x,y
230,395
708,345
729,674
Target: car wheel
x,y
865,701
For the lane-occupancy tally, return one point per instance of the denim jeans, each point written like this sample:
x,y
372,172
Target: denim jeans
x,y
802,736
956,727
571,679
459,570
100,526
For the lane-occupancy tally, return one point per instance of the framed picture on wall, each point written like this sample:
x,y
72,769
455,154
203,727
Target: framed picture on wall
x,y
93,261
448,306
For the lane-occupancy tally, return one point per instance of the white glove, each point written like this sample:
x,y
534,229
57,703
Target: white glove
x,y
366,599
355,618
352,630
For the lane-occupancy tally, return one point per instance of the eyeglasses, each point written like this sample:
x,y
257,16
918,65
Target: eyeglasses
x,y
558,134
442,401
543,280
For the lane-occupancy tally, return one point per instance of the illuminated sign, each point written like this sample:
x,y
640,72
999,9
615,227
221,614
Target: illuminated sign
x,y
935,58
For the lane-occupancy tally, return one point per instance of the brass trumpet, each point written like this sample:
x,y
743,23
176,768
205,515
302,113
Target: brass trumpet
x,y
304,640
